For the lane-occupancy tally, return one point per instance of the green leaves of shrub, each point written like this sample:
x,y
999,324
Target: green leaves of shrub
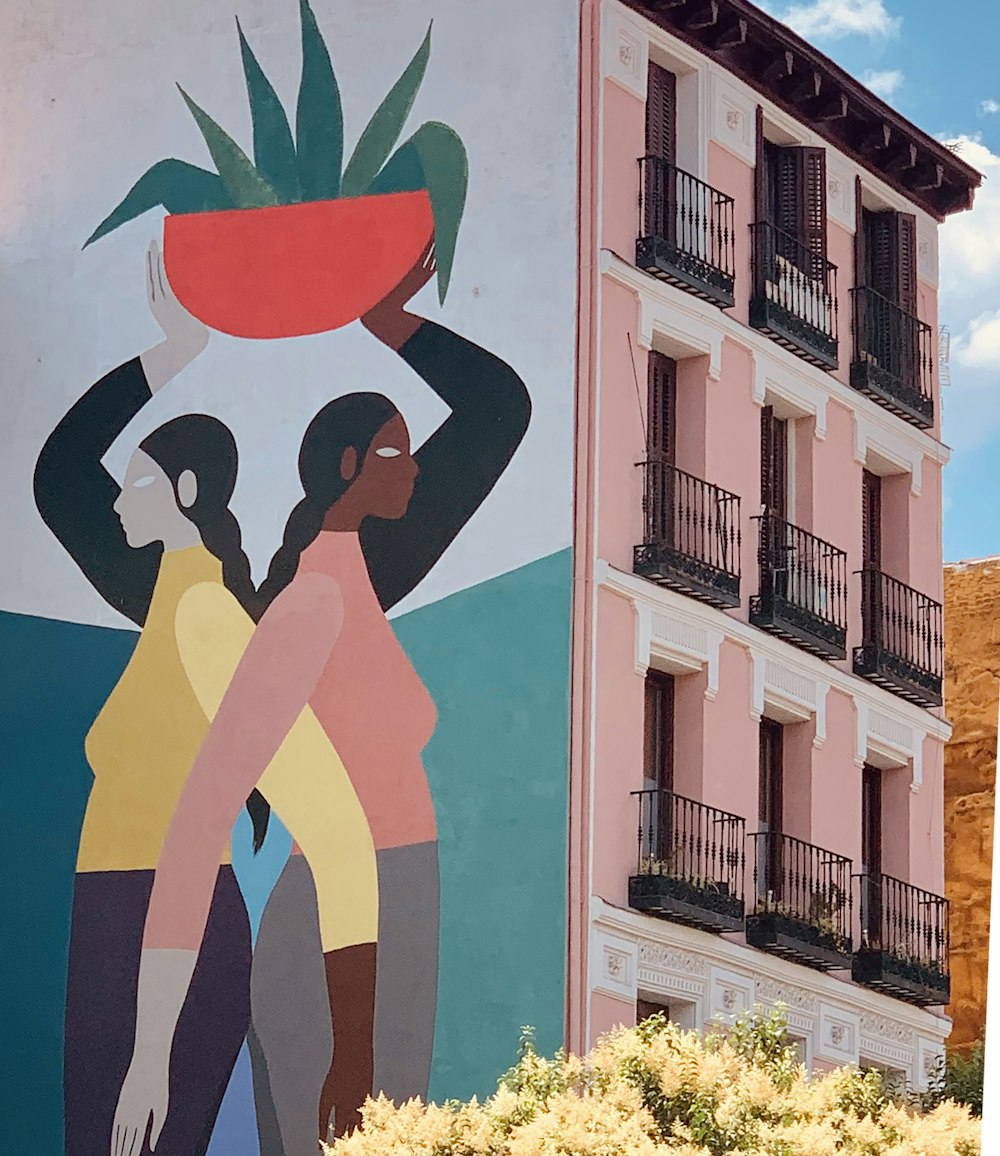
x,y
386,124
176,186
319,118
273,147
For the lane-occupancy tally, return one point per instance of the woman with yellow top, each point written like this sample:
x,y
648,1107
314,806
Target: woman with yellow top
x,y
165,550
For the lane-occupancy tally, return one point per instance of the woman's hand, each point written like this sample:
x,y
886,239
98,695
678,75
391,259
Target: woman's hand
x,y
185,335
145,1093
388,320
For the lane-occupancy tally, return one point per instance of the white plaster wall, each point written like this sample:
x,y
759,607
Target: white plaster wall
x,y
87,103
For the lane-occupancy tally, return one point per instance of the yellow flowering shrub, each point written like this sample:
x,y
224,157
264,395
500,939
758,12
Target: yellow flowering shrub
x,y
657,1089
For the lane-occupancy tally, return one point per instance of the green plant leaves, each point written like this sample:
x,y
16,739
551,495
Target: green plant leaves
x,y
319,118
247,188
177,186
273,147
386,124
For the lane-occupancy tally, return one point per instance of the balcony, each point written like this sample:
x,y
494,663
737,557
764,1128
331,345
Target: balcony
x,y
893,357
794,297
691,541
904,941
802,902
688,232
691,862
802,594
902,639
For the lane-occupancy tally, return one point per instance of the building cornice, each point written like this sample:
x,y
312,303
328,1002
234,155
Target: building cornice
x,y
801,80
705,622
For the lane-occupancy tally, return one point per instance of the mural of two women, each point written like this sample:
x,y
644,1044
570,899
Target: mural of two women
x,y
294,700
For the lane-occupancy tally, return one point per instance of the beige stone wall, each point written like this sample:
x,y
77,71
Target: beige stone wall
x,y
972,669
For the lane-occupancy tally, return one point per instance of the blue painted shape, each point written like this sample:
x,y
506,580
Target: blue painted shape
x,y
235,1131
54,678
496,659
257,874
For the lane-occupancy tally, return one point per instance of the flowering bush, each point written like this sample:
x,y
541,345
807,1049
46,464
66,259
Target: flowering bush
x,y
657,1089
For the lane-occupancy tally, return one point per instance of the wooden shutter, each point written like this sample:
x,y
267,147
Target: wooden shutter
x,y
871,521
812,202
659,731
871,819
760,171
859,235
891,257
661,114
771,774
906,262
662,406
773,462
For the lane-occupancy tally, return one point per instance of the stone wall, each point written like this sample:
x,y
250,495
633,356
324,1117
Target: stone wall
x,y
972,667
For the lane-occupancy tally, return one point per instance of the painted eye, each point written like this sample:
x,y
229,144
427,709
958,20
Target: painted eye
x,y
145,480
388,452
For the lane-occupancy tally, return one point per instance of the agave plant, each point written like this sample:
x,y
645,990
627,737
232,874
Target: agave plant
x,y
308,166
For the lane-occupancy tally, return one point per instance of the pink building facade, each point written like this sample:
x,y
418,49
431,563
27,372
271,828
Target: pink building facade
x,y
757,794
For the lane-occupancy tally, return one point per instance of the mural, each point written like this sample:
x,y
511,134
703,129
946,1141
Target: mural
x,y
288,777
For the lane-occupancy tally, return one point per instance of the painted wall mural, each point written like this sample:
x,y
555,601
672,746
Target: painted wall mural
x,y
267,919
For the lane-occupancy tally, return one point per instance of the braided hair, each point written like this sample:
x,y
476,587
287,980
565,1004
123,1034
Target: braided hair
x,y
207,447
347,422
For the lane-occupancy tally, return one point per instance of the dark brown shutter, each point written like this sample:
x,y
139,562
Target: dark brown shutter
x,y
773,462
770,781
871,521
662,406
760,171
659,731
891,257
906,262
812,204
787,183
871,819
661,114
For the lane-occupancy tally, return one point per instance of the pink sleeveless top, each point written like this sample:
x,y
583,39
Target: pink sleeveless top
x,y
371,702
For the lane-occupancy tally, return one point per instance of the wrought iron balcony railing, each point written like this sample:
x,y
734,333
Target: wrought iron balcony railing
x,y
904,941
893,359
902,639
691,862
691,540
802,596
801,901
688,232
794,295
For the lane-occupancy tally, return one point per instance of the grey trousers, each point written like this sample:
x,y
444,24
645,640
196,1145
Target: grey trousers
x,y
409,896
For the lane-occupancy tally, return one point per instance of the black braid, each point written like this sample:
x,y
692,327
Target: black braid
x,y
207,448
301,530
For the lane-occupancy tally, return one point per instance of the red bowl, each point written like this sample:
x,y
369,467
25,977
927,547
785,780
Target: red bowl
x,y
289,270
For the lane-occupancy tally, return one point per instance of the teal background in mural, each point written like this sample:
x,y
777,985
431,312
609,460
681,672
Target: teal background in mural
x,y
494,657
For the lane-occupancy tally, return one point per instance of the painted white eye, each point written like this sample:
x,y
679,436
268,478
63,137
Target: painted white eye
x,y
145,480
388,452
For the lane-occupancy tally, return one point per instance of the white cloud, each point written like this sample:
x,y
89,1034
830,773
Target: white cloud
x,y
989,107
884,83
970,242
979,346
831,19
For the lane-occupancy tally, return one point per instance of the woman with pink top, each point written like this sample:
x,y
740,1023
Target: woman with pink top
x,y
373,522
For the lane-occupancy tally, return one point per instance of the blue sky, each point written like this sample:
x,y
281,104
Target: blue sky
x,y
941,74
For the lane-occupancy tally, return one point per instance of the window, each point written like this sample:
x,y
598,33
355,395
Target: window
x,y
773,463
871,521
791,196
871,853
888,257
661,406
644,1008
769,807
661,114
659,728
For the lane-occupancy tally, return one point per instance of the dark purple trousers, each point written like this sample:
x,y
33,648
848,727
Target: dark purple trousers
x,y
109,911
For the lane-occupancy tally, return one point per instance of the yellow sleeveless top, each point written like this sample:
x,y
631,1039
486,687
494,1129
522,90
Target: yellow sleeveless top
x,y
145,738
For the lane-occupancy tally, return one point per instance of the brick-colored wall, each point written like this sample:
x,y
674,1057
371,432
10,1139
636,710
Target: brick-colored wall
x,y
972,668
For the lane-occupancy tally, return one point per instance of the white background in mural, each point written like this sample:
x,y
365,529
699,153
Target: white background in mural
x,y
88,103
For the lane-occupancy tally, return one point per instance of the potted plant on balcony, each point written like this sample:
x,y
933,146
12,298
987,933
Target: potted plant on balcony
x,y
295,241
